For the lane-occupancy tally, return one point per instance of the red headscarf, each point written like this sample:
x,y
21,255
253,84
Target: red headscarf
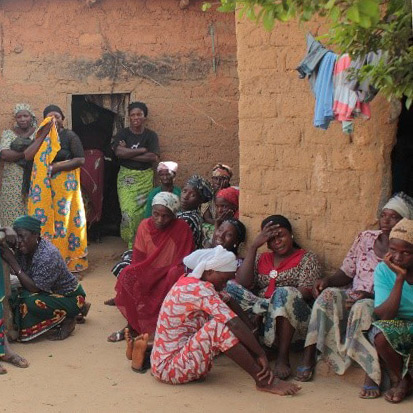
x,y
231,195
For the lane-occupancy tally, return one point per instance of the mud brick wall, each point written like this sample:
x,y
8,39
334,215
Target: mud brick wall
x,y
329,185
50,49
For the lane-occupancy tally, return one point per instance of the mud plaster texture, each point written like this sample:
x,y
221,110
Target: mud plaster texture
x,y
329,185
151,49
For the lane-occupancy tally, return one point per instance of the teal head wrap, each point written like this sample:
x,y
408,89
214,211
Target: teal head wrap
x,y
27,222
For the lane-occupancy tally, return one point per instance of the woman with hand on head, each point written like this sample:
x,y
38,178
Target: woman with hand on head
x,y
55,196
277,286
51,297
15,176
137,148
195,325
341,316
392,334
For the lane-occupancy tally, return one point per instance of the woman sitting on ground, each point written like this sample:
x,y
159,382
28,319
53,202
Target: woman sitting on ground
x,y
230,234
277,286
196,192
221,177
161,243
347,312
166,174
195,325
226,206
7,355
51,296
392,334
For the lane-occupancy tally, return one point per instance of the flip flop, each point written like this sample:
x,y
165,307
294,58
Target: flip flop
x,y
368,388
117,336
16,360
303,369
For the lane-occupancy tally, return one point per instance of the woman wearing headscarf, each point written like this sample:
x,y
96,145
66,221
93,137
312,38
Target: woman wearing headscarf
x,y
195,192
275,287
161,243
392,333
137,148
50,297
343,309
166,172
7,355
195,325
14,169
226,207
55,196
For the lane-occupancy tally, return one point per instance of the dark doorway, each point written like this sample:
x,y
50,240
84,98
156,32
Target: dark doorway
x,y
96,121
402,154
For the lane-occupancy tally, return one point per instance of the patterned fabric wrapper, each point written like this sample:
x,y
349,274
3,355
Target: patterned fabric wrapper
x,y
36,313
57,202
340,334
133,190
11,197
399,334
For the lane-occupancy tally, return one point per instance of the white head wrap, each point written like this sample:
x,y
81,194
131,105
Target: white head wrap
x,y
402,204
25,106
218,259
168,200
168,166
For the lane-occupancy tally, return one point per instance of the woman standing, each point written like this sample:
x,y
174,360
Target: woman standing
x,y
137,148
55,196
15,176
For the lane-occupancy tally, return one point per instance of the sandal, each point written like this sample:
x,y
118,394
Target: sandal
x,y
111,302
370,388
2,370
305,369
117,336
16,360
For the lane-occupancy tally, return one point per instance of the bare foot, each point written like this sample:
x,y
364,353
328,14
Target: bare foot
x,y
282,369
129,343
370,389
280,387
140,345
16,360
401,390
111,301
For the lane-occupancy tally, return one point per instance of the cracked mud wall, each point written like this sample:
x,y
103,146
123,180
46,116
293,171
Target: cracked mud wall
x,y
162,55
329,185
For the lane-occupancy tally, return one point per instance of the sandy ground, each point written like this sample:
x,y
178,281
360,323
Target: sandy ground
x,y
85,373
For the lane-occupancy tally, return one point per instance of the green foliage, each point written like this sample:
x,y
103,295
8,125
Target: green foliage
x,y
356,27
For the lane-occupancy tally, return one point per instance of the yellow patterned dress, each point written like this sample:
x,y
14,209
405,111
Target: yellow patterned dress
x,y
57,202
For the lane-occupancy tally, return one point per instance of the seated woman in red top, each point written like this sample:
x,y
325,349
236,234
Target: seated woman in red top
x,y
161,243
276,286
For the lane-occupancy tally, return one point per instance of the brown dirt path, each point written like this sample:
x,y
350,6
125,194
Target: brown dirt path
x,y
85,373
